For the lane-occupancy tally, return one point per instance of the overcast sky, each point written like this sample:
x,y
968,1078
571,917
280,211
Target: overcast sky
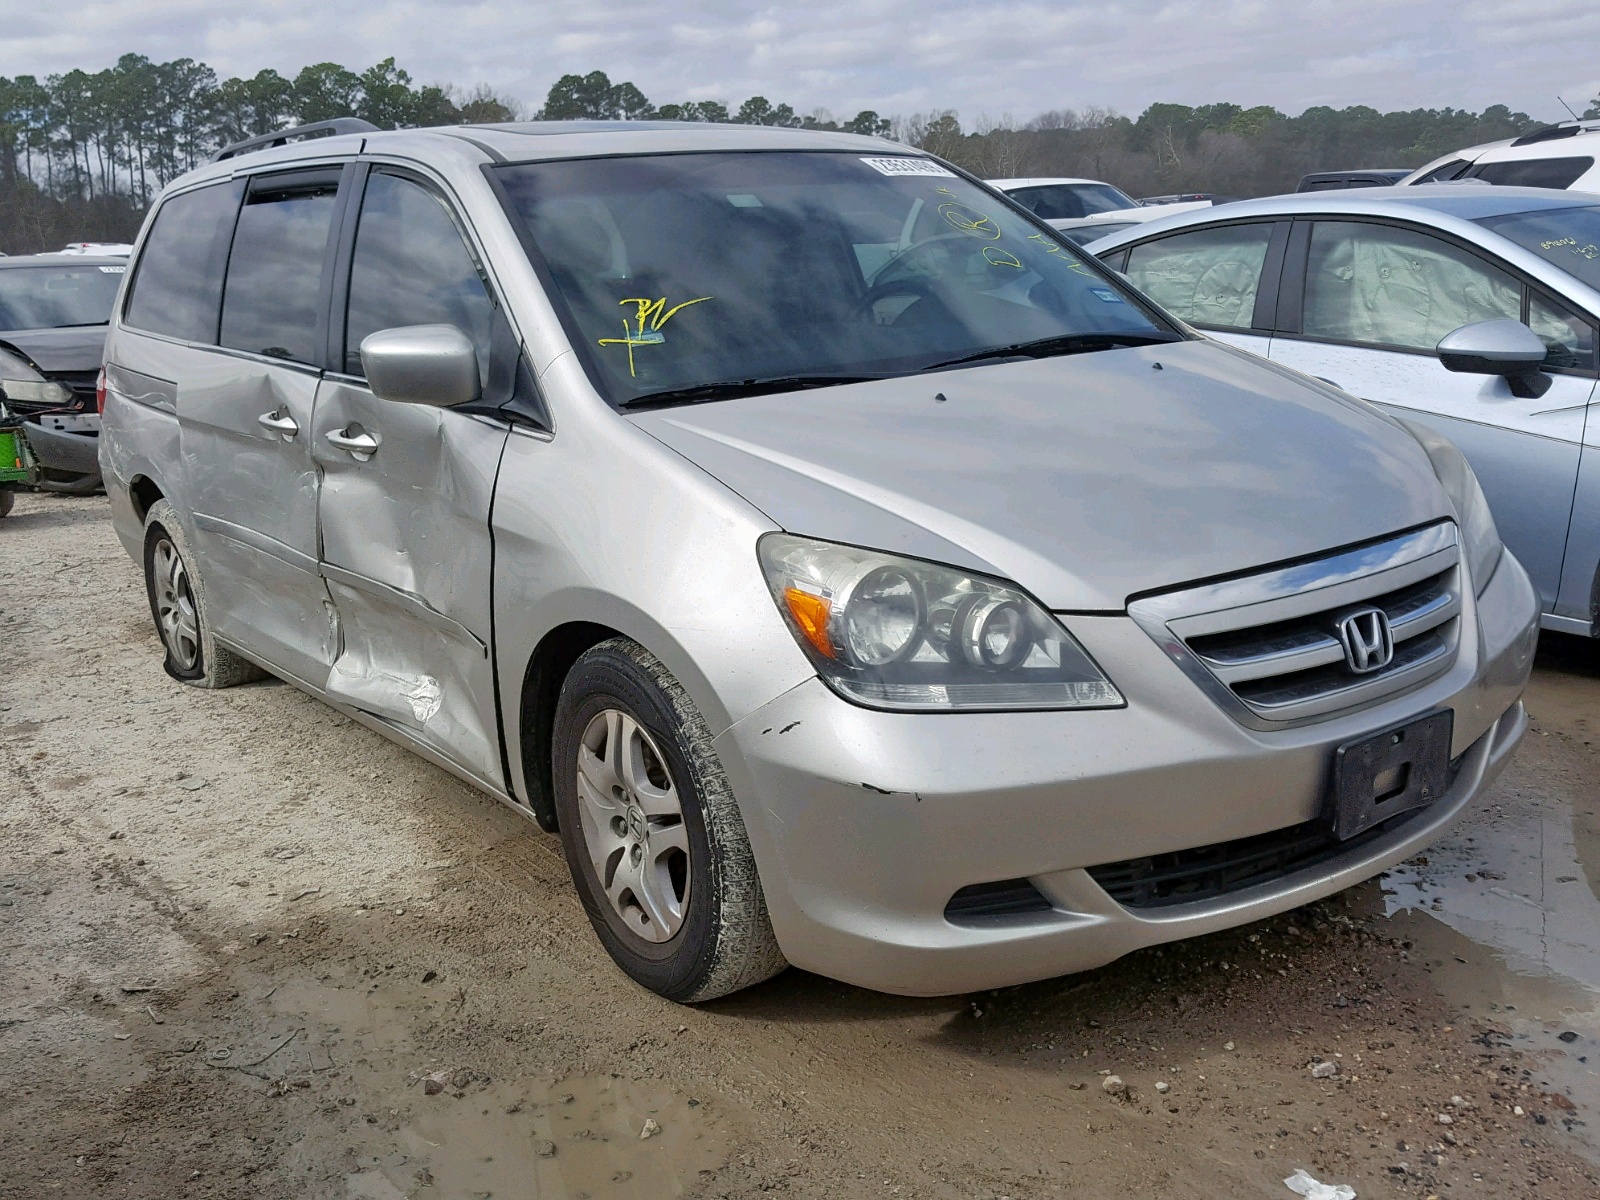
x,y
895,56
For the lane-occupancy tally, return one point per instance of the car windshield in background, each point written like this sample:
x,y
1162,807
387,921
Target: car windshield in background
x,y
1568,238
699,276
1063,201
54,297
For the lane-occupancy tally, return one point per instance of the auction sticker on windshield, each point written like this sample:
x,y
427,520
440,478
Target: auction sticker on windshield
x,y
908,166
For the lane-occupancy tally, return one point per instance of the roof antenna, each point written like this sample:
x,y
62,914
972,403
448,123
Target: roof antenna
x,y
1568,107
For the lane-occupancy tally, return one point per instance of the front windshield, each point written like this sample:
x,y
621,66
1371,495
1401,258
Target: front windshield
x,y
1568,238
53,297
688,270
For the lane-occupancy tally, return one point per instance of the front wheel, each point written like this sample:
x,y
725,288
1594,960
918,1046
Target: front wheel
x,y
178,604
652,833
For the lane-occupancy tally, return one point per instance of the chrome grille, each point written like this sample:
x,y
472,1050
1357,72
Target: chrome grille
x,y
1267,646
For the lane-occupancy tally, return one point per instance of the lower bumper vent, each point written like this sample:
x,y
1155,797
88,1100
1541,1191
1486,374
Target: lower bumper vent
x,y
1207,872
991,901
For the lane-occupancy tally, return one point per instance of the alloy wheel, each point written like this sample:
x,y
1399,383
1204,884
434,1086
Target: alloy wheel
x,y
175,607
633,825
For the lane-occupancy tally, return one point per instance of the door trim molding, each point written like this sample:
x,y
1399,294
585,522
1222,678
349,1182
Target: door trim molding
x,y
255,540
412,603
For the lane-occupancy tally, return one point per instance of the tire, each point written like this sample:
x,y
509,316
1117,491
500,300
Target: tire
x,y
8,497
178,607
685,915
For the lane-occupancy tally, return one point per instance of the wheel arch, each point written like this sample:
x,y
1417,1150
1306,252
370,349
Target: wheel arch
x,y
547,669
145,494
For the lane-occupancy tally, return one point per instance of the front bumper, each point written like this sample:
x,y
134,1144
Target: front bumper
x,y
866,823
60,450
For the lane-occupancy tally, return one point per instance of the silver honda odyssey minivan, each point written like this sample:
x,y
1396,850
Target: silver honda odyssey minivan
x,y
850,571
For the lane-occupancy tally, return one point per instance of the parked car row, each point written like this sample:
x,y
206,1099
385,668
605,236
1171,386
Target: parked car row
x,y
852,574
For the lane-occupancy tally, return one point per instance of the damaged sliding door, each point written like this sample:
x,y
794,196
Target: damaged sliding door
x,y
406,489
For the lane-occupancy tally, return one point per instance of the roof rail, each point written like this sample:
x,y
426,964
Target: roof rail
x,y
284,136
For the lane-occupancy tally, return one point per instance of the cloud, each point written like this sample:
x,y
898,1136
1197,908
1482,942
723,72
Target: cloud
x,y
890,55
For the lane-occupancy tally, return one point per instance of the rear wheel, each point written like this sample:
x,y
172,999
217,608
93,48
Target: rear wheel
x,y
177,602
8,497
653,835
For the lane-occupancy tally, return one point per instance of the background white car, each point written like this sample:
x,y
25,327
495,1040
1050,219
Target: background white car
x,y
1557,156
1062,203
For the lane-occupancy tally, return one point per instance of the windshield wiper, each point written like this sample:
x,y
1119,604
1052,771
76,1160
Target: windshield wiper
x,y
732,389
1069,343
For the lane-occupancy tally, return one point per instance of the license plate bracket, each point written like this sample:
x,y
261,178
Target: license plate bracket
x,y
1381,776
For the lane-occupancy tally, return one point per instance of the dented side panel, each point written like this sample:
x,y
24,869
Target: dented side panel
x,y
253,499
406,555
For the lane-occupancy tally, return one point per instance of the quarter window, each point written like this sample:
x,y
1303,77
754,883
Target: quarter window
x,y
177,284
411,267
1569,337
269,305
1454,169
1207,277
1383,286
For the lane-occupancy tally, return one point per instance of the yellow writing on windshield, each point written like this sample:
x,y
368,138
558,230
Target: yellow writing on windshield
x,y
970,221
1049,246
648,318
997,257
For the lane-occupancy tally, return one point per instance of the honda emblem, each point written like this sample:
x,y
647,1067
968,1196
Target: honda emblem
x,y
1367,639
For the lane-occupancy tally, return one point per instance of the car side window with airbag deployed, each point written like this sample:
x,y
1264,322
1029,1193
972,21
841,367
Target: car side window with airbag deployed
x,y
270,301
1380,285
411,266
1208,277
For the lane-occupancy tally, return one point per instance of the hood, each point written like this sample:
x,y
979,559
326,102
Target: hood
x,y
76,348
1086,479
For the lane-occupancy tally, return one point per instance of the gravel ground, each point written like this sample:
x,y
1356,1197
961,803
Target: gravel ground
x,y
250,949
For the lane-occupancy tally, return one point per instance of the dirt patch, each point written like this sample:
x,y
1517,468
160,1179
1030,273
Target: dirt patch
x,y
253,950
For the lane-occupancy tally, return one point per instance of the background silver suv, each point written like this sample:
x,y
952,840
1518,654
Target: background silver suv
x,y
854,574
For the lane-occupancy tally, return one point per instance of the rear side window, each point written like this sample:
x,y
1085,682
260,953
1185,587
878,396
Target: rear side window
x,y
411,267
1534,172
177,284
270,302
1208,277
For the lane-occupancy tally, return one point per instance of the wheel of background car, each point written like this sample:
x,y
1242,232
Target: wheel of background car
x,y
7,499
652,833
178,605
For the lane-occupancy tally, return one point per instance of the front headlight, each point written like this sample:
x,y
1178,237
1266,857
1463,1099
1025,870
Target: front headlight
x,y
896,633
1480,538
35,391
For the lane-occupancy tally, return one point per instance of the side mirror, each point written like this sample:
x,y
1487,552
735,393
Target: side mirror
x,y
1502,347
421,364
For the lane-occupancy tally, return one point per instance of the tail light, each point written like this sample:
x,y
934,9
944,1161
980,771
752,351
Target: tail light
x,y
100,392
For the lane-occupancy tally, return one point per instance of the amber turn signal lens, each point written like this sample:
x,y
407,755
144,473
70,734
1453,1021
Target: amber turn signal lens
x,y
811,613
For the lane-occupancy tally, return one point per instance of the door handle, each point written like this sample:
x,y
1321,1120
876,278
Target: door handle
x,y
279,422
361,446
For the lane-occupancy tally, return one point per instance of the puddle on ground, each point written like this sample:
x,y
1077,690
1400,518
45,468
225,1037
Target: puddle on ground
x,y
1504,912
575,1138
538,1139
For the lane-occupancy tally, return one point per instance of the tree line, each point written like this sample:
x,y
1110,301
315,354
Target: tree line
x,y
83,153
